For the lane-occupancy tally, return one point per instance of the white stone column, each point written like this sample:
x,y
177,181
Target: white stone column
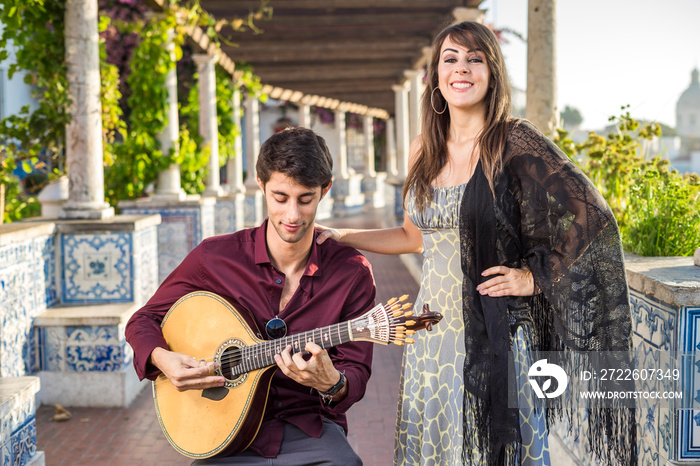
x,y
304,115
252,141
462,14
168,186
347,185
208,126
372,182
254,197
415,83
368,128
340,164
402,129
234,165
391,149
230,208
541,106
84,156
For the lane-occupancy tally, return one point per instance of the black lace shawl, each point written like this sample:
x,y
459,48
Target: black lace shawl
x,y
548,216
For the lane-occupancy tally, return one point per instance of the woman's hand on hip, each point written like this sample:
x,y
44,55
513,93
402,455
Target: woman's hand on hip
x,y
507,282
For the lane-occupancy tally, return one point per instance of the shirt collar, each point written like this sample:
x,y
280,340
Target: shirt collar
x,y
313,267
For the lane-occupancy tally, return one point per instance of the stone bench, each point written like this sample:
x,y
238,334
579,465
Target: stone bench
x,y
85,360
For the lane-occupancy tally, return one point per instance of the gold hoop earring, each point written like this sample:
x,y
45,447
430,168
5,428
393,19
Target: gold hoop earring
x,y
432,104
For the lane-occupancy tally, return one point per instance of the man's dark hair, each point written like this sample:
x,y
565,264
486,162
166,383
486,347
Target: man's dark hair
x,y
298,153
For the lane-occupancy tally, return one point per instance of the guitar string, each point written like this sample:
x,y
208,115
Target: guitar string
x,y
257,351
262,349
235,354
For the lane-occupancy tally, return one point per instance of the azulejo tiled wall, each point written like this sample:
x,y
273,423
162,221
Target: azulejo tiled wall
x,y
689,419
184,224
84,349
229,213
108,267
27,288
664,296
97,267
655,325
17,420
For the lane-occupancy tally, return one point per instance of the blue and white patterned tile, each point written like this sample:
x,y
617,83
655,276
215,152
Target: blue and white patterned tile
x,y
22,444
666,432
20,303
689,434
648,422
52,344
145,264
229,213
84,349
648,456
253,208
93,349
48,259
654,321
689,425
208,228
175,240
97,268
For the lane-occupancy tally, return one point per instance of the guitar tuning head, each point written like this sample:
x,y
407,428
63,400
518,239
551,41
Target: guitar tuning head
x,y
403,298
407,306
391,301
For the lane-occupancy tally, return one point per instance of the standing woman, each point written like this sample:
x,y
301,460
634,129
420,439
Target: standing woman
x,y
520,251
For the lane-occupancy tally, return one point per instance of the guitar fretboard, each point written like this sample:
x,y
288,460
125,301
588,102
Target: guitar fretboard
x,y
263,354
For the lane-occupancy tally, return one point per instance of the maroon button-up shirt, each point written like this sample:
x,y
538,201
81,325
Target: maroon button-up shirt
x,y
337,286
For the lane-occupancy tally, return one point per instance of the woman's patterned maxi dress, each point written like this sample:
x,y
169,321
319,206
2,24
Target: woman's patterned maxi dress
x,y
431,398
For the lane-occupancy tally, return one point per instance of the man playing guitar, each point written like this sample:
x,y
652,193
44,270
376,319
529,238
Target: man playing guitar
x,y
288,284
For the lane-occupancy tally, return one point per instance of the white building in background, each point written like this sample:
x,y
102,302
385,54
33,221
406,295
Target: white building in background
x,y
688,127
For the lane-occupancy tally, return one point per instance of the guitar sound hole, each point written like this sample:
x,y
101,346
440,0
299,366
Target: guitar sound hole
x,y
230,360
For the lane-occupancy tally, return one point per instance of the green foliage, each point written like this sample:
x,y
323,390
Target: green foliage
x,y
655,207
664,218
228,128
139,158
113,126
571,117
193,162
35,136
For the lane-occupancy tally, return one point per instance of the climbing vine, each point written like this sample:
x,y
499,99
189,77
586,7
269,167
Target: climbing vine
x,y
140,156
33,139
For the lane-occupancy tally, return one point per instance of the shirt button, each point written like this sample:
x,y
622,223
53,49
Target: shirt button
x,y
279,404
279,280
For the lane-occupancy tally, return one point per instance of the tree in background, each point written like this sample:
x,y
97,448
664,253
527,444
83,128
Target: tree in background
x,y
570,117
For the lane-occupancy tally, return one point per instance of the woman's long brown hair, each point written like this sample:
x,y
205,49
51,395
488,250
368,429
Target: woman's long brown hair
x,y
432,155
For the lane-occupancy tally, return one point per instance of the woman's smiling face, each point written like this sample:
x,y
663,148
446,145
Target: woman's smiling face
x,y
463,75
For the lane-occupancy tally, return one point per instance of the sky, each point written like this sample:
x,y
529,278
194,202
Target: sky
x,y
612,53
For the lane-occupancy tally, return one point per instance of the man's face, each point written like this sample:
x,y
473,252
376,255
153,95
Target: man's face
x,y
291,206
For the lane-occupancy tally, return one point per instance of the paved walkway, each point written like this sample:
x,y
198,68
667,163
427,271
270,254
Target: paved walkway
x,y
132,436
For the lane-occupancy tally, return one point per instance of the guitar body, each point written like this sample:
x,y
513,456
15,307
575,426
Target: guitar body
x,y
224,421
195,425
